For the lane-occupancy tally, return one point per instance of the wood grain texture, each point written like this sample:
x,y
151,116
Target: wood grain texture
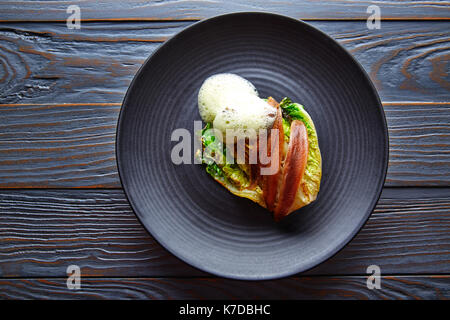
x,y
73,145
66,145
419,144
392,287
42,232
167,9
60,95
48,63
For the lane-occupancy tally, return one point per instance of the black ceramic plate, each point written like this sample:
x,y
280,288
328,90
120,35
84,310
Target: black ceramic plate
x,y
198,220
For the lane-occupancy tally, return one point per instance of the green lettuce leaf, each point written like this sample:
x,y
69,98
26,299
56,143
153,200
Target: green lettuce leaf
x,y
286,129
221,170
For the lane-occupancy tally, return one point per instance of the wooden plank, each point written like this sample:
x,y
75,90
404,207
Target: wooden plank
x,y
163,10
49,63
65,145
42,232
330,287
73,145
419,144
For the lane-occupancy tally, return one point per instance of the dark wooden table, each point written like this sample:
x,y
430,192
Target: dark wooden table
x,y
61,201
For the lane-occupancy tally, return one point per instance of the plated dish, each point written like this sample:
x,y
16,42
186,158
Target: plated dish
x,y
197,219
258,148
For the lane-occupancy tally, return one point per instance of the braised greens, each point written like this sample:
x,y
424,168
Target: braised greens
x,y
215,160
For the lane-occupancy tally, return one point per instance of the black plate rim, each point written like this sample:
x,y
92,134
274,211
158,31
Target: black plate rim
x,y
288,273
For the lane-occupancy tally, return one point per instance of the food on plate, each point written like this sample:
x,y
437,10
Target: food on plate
x,y
258,148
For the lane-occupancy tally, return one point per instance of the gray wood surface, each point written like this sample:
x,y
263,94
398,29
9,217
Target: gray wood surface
x,y
48,63
166,9
60,94
42,232
328,287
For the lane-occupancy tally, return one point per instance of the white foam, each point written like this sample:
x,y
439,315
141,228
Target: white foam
x,y
219,89
247,112
231,102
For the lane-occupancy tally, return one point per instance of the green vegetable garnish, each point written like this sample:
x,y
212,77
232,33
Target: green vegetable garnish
x,y
286,129
216,164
